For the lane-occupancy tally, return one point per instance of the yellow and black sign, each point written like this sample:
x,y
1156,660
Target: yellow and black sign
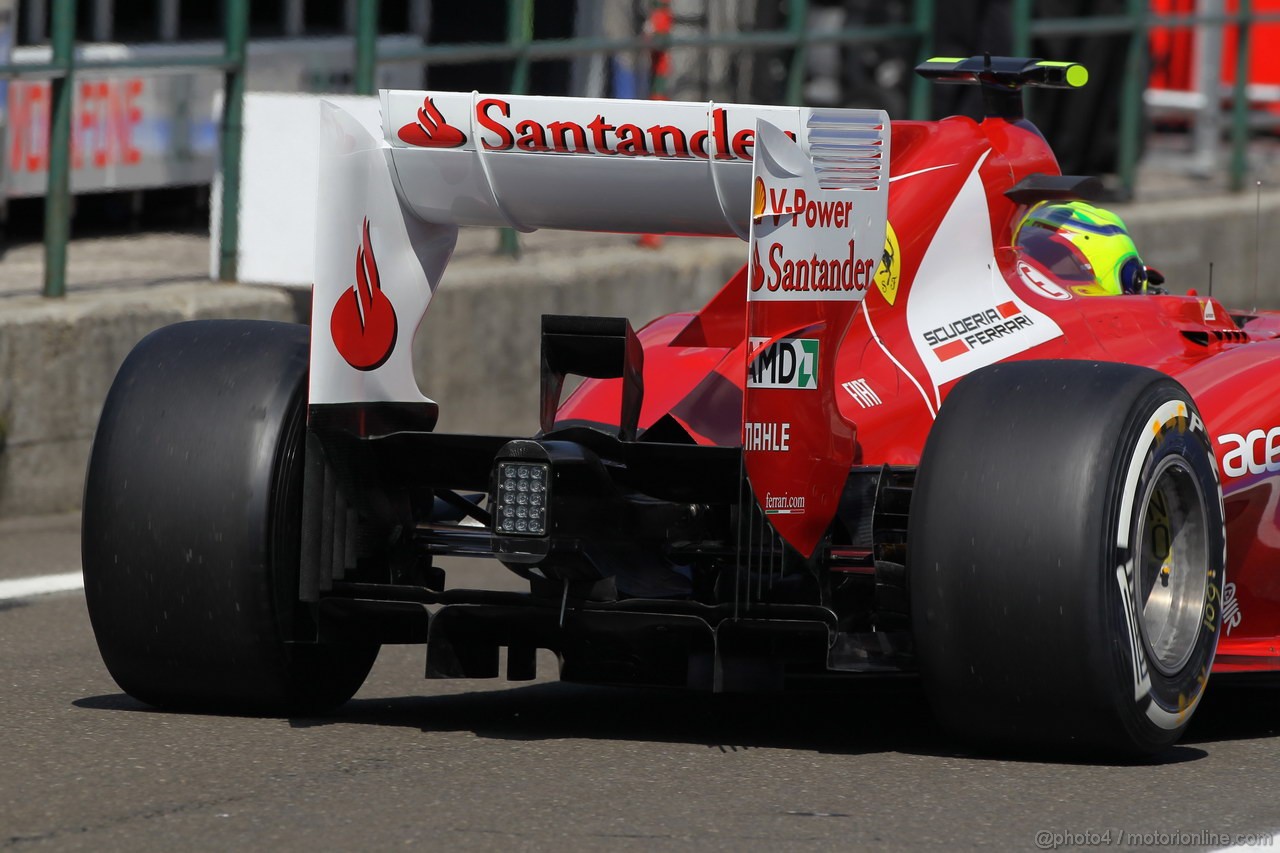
x,y
890,269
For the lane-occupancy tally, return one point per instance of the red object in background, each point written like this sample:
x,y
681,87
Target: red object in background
x,y
1173,53
105,119
1171,48
659,23
1264,47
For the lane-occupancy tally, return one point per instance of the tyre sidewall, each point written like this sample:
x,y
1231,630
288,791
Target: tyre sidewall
x,y
1021,627
1153,707
190,522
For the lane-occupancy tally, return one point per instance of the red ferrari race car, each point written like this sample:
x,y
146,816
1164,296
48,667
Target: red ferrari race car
x,y
908,437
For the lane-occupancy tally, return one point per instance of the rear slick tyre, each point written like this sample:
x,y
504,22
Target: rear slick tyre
x,y
191,525
1066,557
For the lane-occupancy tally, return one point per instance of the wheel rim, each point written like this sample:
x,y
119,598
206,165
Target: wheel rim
x,y
1172,565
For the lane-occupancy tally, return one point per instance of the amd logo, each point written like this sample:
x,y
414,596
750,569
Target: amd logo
x,y
785,363
1256,453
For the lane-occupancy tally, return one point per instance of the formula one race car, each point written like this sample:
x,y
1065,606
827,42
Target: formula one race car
x,y
903,439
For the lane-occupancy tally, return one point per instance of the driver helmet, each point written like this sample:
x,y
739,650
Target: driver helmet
x,y
1084,248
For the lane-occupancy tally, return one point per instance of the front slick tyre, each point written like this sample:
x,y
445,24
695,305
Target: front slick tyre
x,y
191,525
1066,554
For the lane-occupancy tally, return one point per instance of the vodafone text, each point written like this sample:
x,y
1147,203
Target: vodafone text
x,y
600,136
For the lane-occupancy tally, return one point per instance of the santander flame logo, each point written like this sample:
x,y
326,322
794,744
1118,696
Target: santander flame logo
x,y
757,269
363,323
431,130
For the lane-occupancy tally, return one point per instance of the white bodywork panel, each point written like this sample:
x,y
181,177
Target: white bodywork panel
x,y
959,271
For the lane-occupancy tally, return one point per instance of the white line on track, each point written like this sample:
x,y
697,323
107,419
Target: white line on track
x,y
40,585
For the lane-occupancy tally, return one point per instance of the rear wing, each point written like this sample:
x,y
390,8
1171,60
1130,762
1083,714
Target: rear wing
x,y
605,165
390,204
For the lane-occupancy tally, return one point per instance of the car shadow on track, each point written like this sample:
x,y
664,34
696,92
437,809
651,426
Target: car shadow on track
x,y
882,718
847,722
890,716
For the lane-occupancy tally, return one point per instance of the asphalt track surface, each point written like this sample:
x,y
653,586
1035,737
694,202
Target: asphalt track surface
x,y
484,765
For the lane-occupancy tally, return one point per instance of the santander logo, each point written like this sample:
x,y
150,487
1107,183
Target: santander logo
x,y
597,127
610,136
363,323
431,130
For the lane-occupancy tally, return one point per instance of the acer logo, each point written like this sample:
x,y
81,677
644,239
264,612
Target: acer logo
x,y
1255,453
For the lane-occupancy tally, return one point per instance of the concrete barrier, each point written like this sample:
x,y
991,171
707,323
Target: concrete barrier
x,y
477,351
1239,235
57,360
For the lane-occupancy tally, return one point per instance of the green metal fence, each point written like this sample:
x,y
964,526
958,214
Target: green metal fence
x,y
520,49
1137,21
61,72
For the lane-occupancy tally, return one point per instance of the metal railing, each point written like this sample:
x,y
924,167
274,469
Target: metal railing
x,y
1137,21
61,72
520,49
1140,21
